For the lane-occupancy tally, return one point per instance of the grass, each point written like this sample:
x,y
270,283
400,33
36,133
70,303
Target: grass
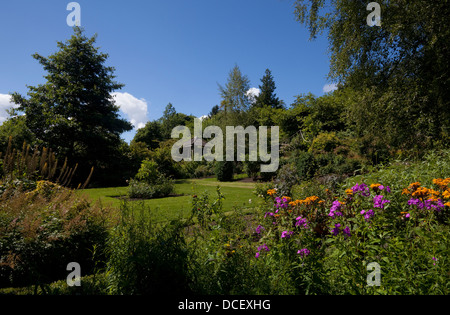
x,y
237,194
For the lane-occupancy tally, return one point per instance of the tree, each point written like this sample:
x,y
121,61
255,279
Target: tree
x,y
267,97
172,119
15,128
214,111
399,72
151,134
234,94
73,112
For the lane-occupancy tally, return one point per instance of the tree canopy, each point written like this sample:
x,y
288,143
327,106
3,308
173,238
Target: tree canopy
x,y
73,112
399,71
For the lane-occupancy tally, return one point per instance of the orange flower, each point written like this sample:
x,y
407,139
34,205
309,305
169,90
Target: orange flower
x,y
405,191
421,192
288,199
442,183
446,194
271,192
447,204
349,192
375,186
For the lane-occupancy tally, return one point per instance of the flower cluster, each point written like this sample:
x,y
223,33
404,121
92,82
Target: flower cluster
x,y
303,252
367,214
345,231
286,234
301,222
379,202
361,189
264,246
335,209
427,198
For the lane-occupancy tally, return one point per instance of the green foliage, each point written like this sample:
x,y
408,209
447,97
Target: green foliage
x,y
145,258
73,112
324,142
306,165
149,182
42,231
396,75
267,96
286,178
224,171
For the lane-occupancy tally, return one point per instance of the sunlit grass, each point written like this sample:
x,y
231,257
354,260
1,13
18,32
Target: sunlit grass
x,y
237,194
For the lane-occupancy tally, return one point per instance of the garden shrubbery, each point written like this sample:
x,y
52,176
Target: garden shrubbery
x,y
41,231
149,182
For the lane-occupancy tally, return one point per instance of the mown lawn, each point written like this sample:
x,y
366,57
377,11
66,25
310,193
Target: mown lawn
x,y
236,193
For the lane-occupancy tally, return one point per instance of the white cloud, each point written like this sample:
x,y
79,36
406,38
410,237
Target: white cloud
x,y
135,109
5,104
252,93
329,87
203,117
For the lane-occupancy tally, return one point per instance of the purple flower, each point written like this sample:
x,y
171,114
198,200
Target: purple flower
x,y
362,189
435,259
304,252
264,246
286,234
379,202
407,215
335,231
259,228
416,202
388,189
438,207
335,209
301,222
368,214
257,255
280,203
347,232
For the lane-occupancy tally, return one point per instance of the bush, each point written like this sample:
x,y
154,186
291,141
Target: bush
x,y
324,142
306,165
224,171
145,258
42,231
162,187
252,168
286,178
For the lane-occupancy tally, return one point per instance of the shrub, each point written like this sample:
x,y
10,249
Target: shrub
x,y
162,187
145,258
324,142
42,231
306,165
286,178
251,168
224,171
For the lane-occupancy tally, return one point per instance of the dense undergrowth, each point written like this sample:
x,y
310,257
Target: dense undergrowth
x,y
318,240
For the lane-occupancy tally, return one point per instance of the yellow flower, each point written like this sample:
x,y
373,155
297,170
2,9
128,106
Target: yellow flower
x,y
287,198
442,183
446,194
375,186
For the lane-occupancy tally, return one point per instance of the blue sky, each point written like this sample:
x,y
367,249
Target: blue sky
x,y
165,51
